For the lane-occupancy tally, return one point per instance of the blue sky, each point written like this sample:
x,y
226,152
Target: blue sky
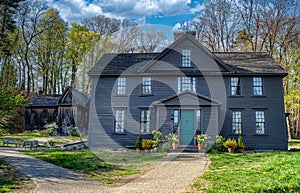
x,y
153,12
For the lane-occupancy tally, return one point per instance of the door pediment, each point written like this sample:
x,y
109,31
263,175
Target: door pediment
x,y
188,98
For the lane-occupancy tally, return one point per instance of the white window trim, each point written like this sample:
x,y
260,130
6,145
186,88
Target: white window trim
x,y
186,57
192,83
121,86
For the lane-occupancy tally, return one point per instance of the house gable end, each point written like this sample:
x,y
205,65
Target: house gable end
x,y
171,58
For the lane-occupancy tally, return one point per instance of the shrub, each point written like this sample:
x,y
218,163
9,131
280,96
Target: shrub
x,y
240,143
73,131
138,143
35,131
218,146
147,144
44,132
165,147
157,138
230,143
51,128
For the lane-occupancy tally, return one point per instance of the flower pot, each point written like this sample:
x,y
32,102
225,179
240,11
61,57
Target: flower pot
x,y
175,145
200,146
230,149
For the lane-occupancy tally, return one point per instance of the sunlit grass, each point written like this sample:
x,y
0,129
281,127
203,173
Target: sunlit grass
x,y
106,166
252,172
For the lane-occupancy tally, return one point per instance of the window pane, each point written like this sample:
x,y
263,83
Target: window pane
x,y
119,120
145,121
186,58
186,84
235,86
260,122
121,86
146,86
257,86
176,120
198,119
237,122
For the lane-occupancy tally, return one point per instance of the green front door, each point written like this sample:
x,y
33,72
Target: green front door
x,y
187,128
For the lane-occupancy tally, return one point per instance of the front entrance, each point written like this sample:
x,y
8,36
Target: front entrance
x,y
186,127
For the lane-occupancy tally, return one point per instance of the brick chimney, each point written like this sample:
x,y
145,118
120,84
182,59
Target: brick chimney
x,y
178,35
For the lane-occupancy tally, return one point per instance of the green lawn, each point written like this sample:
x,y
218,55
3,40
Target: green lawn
x,y
106,166
21,137
251,172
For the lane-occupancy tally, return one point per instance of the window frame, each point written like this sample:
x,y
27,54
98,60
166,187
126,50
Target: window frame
x,y
262,120
121,86
257,87
237,90
236,122
181,81
123,120
186,58
146,82
146,121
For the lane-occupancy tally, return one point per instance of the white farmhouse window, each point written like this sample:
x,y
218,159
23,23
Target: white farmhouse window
x,y
121,86
186,84
186,58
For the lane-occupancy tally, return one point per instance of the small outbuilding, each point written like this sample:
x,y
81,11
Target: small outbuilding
x,y
69,109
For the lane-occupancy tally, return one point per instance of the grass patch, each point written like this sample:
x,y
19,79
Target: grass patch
x,y
8,178
256,172
106,166
294,143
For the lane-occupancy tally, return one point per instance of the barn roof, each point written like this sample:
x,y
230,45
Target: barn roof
x,y
70,96
41,100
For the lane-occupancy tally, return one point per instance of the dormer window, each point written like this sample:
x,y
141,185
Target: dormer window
x,y
186,58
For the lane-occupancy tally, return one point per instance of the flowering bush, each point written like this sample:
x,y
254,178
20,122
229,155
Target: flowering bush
x,y
50,129
172,138
202,138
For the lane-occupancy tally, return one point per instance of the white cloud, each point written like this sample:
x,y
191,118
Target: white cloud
x,y
197,8
76,10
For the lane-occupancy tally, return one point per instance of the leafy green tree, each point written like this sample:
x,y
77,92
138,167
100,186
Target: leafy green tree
x,y
79,42
49,48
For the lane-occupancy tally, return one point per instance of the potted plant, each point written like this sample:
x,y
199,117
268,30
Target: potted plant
x,y
230,144
138,143
201,139
147,144
240,144
173,139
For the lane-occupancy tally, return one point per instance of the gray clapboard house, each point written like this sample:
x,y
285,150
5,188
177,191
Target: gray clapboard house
x,y
186,89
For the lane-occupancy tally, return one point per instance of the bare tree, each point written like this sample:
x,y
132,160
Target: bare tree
x,y
29,14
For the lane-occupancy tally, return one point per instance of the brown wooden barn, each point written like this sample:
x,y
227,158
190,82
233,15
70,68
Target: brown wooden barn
x,y
69,109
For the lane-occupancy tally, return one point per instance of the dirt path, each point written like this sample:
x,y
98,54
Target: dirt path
x,y
169,176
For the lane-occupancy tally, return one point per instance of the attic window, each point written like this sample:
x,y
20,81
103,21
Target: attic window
x,y
186,58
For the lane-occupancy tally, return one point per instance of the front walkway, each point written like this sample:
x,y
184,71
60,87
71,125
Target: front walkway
x,y
174,174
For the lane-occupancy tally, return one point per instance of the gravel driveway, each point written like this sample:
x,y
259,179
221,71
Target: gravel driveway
x,y
174,174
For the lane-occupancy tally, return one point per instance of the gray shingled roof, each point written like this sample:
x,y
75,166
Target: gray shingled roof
x,y
240,62
44,100
251,62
